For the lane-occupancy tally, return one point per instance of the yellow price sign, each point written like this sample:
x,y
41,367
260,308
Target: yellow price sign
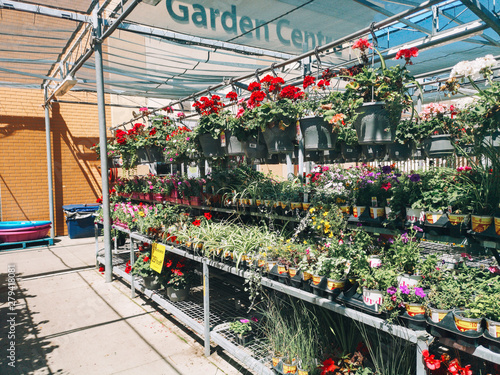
x,y
157,257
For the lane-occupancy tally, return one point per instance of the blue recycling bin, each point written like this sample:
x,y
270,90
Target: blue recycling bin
x,y
80,219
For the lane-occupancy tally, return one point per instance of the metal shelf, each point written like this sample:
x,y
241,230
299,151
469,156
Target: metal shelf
x,y
191,313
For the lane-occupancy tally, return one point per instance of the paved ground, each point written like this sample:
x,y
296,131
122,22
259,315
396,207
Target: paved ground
x,y
69,321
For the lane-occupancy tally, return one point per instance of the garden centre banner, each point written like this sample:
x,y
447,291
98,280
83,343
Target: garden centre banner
x,y
290,26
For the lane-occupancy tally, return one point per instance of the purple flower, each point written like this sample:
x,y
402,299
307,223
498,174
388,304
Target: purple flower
x,y
359,224
415,177
404,289
419,292
418,229
254,319
386,169
244,321
392,290
404,238
494,269
391,240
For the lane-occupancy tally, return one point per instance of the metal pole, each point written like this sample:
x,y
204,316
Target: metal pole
x,y
49,164
132,261
206,307
108,262
289,165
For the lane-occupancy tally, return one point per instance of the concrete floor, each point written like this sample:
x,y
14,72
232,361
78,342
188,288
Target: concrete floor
x,y
69,321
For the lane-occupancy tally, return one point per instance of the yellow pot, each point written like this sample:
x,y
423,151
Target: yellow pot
x,y
357,211
456,219
467,324
493,328
346,209
292,271
305,206
289,369
283,205
497,225
258,202
481,223
317,279
295,205
335,284
414,309
306,276
432,217
377,212
281,269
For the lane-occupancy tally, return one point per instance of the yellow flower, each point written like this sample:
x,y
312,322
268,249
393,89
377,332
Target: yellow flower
x,y
141,213
325,214
330,235
311,210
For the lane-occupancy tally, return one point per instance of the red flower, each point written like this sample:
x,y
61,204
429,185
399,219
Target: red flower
x,y
146,259
386,186
430,361
232,96
254,86
328,366
128,268
196,223
258,96
152,131
177,272
101,269
323,82
407,54
278,81
180,265
208,215
267,79
99,200
290,92
168,263
308,81
362,44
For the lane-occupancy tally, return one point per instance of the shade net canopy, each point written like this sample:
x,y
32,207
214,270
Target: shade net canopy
x,y
180,47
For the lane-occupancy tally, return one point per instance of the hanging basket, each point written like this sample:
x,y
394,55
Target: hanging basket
x,y
350,153
398,151
155,154
142,156
317,134
279,141
255,148
314,156
331,156
438,146
374,152
373,125
211,147
233,146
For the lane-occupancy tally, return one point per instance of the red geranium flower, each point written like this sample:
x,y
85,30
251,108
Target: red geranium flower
x,y
254,86
168,263
99,200
308,81
146,258
386,186
196,223
267,79
101,269
362,44
208,215
258,96
128,268
152,131
232,95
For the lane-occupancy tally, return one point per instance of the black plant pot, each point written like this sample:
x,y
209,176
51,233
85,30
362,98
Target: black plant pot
x,y
398,151
155,154
331,156
374,152
317,134
350,153
438,146
279,141
211,147
233,146
142,156
315,156
255,148
373,125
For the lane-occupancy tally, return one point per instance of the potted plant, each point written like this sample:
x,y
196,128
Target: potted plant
x,y
374,282
276,117
380,95
242,328
412,297
142,267
212,125
180,276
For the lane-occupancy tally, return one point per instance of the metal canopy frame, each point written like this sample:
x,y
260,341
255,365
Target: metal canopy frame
x,y
92,29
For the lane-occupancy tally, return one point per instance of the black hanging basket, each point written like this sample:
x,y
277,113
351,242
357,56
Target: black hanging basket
x,y
373,125
398,151
438,146
211,147
155,154
317,134
350,153
280,141
315,156
331,156
374,152
255,148
142,156
233,146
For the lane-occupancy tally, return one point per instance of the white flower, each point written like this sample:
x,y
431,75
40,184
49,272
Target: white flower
x,y
474,69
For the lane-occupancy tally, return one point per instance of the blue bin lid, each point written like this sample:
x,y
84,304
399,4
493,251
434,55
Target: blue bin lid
x,y
81,207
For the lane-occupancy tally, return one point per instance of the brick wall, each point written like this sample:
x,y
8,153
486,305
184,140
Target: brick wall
x,y
23,160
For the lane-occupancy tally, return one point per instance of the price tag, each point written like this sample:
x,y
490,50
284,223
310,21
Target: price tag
x,y
223,139
252,145
157,257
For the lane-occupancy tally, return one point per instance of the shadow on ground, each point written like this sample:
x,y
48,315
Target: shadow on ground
x,y
18,327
